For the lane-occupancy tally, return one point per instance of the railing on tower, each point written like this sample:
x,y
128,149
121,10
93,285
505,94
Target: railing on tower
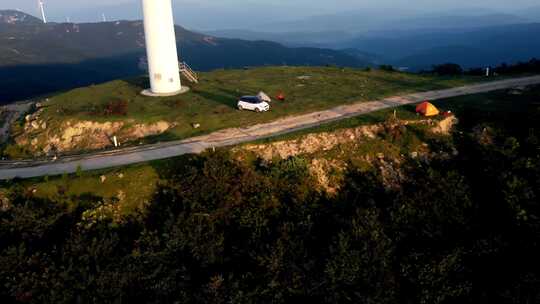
x,y
186,70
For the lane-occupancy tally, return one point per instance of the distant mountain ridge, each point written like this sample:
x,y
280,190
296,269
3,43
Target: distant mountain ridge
x,y
532,13
32,52
469,48
38,43
17,17
420,49
292,39
379,20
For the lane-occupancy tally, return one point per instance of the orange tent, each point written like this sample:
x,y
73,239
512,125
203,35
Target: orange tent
x,y
427,109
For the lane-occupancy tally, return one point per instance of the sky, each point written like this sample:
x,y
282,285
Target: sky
x,y
334,5
219,13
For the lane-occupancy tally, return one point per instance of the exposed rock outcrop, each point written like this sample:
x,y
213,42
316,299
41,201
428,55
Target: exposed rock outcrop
x,y
312,143
4,202
445,126
40,138
141,130
327,169
320,168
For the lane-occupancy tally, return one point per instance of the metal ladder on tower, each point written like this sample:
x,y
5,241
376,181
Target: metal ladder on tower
x,y
186,70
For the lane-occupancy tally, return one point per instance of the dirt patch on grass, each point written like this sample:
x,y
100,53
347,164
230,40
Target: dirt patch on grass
x,y
142,130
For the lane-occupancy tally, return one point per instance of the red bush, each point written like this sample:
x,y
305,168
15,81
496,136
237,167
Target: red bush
x,y
116,108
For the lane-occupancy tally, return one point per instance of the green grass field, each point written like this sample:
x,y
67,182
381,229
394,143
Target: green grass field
x,y
212,102
132,187
497,107
139,181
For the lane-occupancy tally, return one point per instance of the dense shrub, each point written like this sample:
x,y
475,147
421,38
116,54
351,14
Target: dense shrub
x,y
459,230
531,66
448,69
116,108
386,67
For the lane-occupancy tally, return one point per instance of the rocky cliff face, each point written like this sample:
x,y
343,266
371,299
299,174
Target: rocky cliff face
x,y
41,138
330,153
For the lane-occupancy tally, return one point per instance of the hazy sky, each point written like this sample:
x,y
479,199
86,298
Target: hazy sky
x,y
216,14
310,5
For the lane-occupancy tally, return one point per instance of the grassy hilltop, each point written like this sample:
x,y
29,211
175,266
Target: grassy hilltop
x,y
419,217
211,103
136,184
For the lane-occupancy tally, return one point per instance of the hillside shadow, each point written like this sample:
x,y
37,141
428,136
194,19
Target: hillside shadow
x,y
20,82
140,82
222,96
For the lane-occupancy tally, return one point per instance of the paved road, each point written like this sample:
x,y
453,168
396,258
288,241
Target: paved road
x,y
228,137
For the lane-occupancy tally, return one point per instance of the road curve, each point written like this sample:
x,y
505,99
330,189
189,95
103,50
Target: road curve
x,y
228,137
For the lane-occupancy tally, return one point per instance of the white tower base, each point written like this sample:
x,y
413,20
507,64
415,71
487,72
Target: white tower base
x,y
149,93
161,49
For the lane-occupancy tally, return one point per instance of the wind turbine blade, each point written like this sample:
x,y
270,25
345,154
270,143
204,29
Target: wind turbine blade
x,y
42,9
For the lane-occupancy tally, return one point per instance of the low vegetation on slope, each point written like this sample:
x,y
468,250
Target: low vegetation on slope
x,y
461,224
87,118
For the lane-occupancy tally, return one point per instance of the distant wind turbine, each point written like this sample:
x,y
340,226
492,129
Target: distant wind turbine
x,y
42,8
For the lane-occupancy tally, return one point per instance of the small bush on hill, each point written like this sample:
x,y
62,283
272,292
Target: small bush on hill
x,y
116,108
448,69
386,67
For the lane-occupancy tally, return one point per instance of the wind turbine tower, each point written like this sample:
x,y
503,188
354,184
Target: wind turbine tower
x,y
42,9
161,49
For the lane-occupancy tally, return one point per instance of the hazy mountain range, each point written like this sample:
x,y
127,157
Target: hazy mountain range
x,y
299,16
470,38
381,20
469,48
55,56
196,15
